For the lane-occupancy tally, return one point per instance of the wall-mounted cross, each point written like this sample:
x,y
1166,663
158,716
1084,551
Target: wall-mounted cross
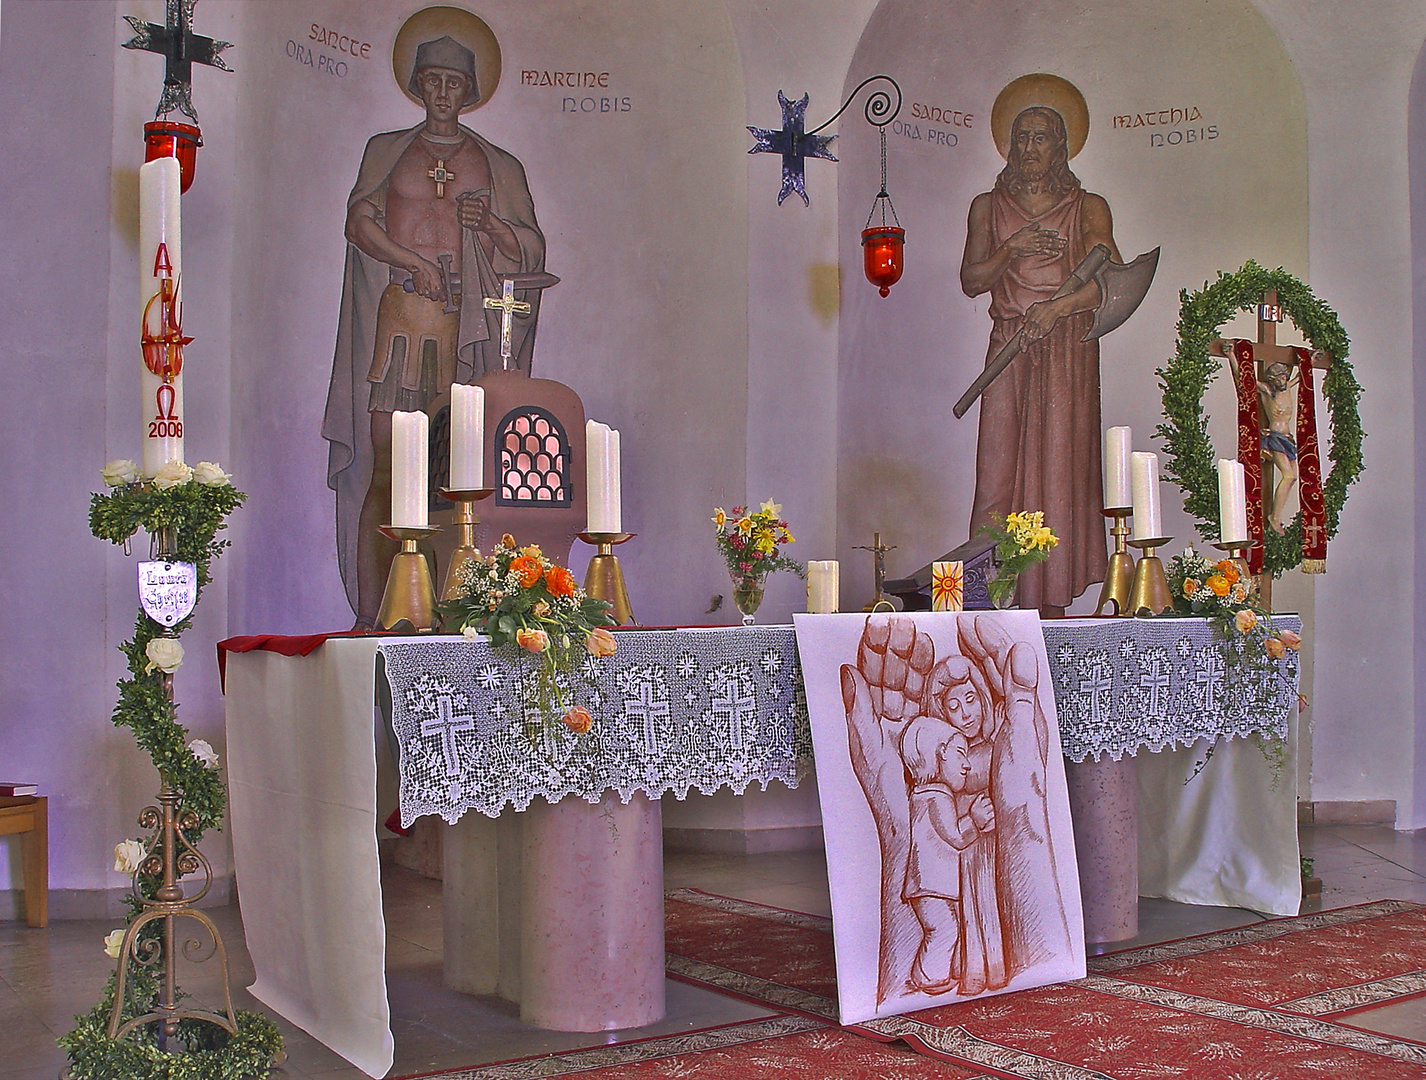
x,y
180,48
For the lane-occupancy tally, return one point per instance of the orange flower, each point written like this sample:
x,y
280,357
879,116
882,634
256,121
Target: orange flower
x,y
533,551
526,570
1228,570
1246,620
600,642
507,540
1291,638
1219,584
1190,586
532,640
578,720
1274,648
559,581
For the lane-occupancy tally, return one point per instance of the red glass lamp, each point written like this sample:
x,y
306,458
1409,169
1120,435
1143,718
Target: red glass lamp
x,y
167,138
882,244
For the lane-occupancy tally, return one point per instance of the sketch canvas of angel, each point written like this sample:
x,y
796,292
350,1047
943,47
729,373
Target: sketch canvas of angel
x,y
944,807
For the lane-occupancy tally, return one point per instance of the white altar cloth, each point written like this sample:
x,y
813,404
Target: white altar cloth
x,y
302,791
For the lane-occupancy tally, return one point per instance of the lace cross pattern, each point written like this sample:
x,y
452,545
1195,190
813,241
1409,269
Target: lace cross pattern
x,y
673,710
1125,685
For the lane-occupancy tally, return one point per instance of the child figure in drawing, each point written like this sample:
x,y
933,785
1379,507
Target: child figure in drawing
x,y
951,756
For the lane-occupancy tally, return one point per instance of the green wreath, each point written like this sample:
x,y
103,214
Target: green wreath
x,y
195,510
1190,458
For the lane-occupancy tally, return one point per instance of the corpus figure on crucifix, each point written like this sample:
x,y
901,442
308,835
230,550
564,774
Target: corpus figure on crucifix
x,y
438,219
1276,395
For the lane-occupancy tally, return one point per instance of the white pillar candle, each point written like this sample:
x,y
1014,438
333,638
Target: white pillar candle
x,y
1117,441
160,275
1232,501
822,582
601,448
1144,478
409,442
467,437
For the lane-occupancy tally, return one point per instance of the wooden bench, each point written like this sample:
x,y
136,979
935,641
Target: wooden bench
x,y
28,816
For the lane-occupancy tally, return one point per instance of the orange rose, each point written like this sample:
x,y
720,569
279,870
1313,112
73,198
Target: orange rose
x,y
600,642
533,551
507,540
1291,638
1245,620
532,640
1274,648
1228,570
559,581
526,570
1219,584
578,720
1190,586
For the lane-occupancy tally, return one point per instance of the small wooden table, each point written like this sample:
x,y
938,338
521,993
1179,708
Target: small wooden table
x,y
28,816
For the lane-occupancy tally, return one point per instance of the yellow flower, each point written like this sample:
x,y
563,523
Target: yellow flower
x,y
720,518
1219,585
745,525
532,552
1191,586
1245,620
765,543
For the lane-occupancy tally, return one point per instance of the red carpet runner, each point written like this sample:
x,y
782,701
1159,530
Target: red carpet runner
x,y
1272,1001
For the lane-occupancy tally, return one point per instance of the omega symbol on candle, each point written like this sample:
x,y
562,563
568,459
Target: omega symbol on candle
x,y
163,346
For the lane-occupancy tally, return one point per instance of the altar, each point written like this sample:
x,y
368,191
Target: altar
x,y
678,710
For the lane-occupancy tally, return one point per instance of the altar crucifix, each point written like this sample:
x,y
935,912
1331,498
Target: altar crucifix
x,y
508,307
1277,426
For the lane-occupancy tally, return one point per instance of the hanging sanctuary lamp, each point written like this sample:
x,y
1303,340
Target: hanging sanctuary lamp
x,y
180,48
882,244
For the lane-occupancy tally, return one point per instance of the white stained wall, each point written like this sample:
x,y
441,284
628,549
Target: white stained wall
x,y
67,404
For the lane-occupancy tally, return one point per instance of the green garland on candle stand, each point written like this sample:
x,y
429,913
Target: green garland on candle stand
x,y
1189,452
195,509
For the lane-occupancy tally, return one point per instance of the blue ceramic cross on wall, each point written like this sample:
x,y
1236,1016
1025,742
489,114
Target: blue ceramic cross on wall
x,y
793,145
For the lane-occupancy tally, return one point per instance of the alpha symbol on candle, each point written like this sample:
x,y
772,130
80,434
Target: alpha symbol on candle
x,y
163,348
442,176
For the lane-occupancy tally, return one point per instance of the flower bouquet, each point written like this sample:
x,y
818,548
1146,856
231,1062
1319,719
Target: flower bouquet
x,y
1021,540
1218,591
516,597
749,545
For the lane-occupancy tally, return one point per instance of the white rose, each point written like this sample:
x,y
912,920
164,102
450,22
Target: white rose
x,y
470,633
170,474
204,752
165,654
119,472
208,472
127,856
113,942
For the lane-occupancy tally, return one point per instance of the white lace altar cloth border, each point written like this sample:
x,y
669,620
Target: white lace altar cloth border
x,y
1125,685
673,709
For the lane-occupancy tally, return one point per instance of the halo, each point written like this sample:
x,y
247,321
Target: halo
x,y
1050,91
469,29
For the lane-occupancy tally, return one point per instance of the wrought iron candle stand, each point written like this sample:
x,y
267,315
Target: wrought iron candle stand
x,y
604,579
465,520
170,855
1119,574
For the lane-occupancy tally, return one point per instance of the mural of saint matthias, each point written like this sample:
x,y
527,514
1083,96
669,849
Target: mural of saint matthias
x,y
437,215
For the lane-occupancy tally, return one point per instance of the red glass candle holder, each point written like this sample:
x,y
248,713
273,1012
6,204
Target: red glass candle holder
x,y
167,138
882,250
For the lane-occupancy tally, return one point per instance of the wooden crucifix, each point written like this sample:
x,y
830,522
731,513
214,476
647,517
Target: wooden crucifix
x,y
1275,429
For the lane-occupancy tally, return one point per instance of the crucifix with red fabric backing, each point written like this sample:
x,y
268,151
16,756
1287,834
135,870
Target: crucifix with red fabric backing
x,y
1274,429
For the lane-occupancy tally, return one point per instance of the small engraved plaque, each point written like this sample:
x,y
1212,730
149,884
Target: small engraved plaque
x,y
168,590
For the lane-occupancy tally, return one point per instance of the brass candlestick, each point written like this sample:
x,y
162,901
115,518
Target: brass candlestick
x,y
1150,591
465,520
604,580
1119,574
409,597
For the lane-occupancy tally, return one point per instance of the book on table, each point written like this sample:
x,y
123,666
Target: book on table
x,y
11,789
